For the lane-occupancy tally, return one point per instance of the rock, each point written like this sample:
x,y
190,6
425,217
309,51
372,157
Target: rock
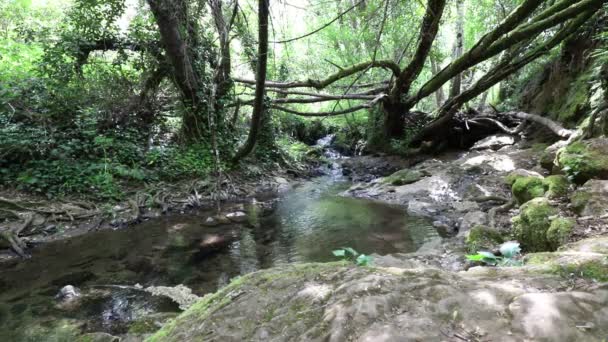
x,y
180,294
537,228
333,302
237,216
590,245
98,337
557,186
482,238
547,158
584,160
68,293
472,219
526,187
403,177
591,199
210,222
494,142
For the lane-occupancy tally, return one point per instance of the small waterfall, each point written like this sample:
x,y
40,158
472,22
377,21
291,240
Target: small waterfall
x,y
335,168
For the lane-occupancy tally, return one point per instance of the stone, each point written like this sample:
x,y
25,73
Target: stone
x,y
334,302
472,219
237,216
403,177
482,238
547,158
68,293
591,199
210,222
538,229
494,142
584,160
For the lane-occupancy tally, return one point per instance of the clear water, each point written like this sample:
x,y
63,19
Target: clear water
x,y
308,223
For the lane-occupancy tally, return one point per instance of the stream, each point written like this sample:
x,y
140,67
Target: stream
x,y
305,225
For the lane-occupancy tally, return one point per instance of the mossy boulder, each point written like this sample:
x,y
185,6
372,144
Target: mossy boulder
x,y
557,186
531,225
591,199
559,231
571,263
403,177
584,160
482,238
527,188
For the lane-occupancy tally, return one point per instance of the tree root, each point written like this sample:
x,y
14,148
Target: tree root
x,y
12,236
500,209
490,198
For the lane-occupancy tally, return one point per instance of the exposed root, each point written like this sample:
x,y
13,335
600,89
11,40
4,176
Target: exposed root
x,y
500,209
490,198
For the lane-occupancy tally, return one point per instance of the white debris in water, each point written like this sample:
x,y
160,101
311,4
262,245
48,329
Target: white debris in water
x,y
180,294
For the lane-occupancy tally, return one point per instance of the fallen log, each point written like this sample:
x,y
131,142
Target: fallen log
x,y
550,124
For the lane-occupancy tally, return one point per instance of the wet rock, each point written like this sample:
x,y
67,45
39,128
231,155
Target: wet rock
x,y
237,216
180,294
472,219
591,199
494,142
68,293
585,160
210,222
404,177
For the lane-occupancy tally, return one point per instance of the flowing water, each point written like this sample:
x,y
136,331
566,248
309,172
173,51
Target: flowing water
x,y
307,223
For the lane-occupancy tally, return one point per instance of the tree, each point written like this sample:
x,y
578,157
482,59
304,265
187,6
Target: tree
x,y
525,34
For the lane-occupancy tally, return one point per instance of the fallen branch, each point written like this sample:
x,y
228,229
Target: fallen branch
x,y
550,124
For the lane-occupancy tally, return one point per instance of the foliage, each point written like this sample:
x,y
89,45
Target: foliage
x,y
510,253
349,254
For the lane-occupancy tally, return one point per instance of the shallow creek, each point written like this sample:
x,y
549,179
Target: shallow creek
x,y
307,223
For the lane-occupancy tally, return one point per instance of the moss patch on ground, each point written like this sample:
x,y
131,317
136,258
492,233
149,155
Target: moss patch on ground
x,y
403,177
482,238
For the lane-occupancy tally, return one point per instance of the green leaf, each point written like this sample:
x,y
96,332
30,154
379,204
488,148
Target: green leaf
x,y
350,251
510,249
363,260
339,253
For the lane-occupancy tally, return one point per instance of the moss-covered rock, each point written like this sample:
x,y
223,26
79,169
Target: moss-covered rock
x,y
557,186
531,225
482,238
585,160
579,264
403,177
591,199
527,188
559,231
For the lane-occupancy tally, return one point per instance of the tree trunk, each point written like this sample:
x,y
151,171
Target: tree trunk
x,y
179,35
458,47
260,79
439,95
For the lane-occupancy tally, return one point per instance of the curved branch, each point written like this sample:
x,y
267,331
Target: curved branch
x,y
320,84
330,113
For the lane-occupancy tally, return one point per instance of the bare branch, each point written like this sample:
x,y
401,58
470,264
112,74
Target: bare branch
x,y
320,84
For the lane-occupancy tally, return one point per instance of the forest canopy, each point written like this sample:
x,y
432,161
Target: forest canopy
x,y
102,94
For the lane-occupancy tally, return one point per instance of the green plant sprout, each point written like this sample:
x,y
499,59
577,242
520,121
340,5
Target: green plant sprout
x,y
349,254
510,251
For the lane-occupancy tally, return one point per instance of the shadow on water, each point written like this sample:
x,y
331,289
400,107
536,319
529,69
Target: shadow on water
x,y
307,223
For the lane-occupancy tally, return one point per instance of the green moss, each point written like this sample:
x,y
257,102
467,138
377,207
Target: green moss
x,y
557,186
592,269
210,303
579,200
481,238
585,160
403,177
527,188
559,231
531,225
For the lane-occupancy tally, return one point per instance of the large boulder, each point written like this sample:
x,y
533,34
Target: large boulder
x,y
526,186
585,160
538,229
336,302
591,199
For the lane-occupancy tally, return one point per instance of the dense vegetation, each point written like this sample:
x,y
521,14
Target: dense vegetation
x,y
100,96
